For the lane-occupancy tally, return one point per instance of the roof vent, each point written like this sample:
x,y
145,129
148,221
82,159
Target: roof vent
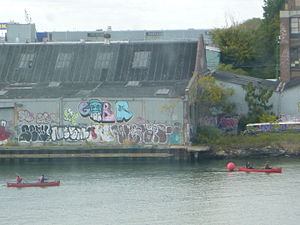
x,y
133,84
54,84
163,91
3,92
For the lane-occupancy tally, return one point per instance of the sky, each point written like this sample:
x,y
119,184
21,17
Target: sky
x,y
89,15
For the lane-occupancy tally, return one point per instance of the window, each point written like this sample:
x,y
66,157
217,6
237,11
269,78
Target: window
x,y
103,60
295,58
63,60
295,25
297,3
26,60
141,59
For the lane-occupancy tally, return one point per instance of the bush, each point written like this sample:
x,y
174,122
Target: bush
x,y
207,134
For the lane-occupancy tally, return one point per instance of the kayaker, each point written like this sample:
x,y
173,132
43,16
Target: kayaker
x,y
42,178
248,165
19,179
267,165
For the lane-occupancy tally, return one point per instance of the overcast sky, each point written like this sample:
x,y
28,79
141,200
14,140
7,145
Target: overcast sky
x,y
88,15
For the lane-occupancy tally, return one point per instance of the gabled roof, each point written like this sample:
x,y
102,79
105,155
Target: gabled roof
x,y
243,80
97,62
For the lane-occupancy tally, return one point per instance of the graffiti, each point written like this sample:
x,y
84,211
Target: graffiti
x,y
101,134
142,133
33,133
169,109
101,112
123,113
26,116
70,116
228,123
4,134
45,118
208,121
46,133
69,133
289,118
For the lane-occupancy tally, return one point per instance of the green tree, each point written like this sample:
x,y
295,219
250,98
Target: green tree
x,y
257,99
253,45
213,98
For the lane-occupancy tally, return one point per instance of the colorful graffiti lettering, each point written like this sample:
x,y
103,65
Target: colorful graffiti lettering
x,y
70,116
101,112
4,134
123,113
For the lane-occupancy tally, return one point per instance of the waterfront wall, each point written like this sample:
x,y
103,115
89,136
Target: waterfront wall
x,y
144,121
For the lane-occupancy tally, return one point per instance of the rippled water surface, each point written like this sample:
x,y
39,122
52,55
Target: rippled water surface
x,y
151,192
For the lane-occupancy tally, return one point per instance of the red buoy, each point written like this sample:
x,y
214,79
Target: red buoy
x,y
230,166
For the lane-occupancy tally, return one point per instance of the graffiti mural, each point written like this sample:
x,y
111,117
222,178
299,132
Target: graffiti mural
x,y
70,116
25,116
101,112
69,133
33,133
142,133
227,123
46,133
4,134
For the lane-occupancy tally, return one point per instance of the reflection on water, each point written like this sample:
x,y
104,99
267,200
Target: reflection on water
x,y
151,192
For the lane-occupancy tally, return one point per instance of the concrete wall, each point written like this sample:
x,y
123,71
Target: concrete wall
x,y
289,102
147,121
239,99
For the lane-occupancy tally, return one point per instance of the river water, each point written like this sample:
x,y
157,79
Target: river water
x,y
151,192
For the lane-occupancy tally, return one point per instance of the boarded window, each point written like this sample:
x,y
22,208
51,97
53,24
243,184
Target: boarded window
x,y
141,59
26,60
63,60
103,60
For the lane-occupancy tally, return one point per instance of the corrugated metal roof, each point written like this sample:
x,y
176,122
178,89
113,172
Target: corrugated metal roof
x,y
243,80
97,62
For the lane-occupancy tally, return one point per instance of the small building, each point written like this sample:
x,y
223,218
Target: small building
x,y
21,33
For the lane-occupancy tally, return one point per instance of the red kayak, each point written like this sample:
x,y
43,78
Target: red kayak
x,y
45,184
274,170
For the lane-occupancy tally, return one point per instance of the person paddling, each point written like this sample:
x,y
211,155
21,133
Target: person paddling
x,y
267,165
19,179
42,178
248,165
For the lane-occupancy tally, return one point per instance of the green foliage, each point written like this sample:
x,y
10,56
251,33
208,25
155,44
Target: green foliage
x,y
206,135
253,46
244,120
229,68
212,98
257,99
267,118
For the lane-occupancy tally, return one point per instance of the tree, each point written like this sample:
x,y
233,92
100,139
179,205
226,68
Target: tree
x,y
257,99
212,98
253,46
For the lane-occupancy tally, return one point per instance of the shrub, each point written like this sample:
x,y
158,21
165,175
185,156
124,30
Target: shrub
x,y
207,134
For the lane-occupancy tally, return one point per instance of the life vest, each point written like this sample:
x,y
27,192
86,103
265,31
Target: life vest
x,y
19,179
41,179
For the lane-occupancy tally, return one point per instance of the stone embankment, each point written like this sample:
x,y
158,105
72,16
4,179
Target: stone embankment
x,y
283,150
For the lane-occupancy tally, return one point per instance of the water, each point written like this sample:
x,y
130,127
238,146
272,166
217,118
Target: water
x,y
151,192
